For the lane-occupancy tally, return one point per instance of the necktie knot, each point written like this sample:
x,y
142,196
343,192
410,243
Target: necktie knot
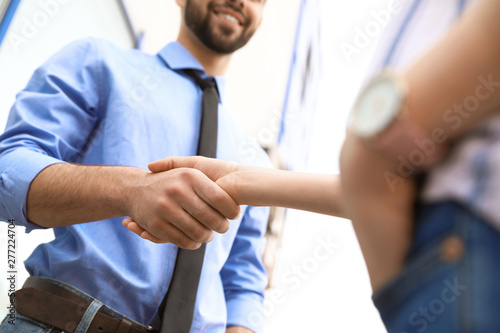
x,y
204,83
207,144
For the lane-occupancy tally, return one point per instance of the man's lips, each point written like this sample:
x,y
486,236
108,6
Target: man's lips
x,y
230,15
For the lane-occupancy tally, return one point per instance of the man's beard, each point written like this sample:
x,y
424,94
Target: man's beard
x,y
218,42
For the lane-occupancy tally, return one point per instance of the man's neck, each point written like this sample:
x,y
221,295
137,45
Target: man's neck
x,y
215,64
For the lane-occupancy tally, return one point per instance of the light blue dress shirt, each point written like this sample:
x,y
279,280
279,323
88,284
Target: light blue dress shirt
x,y
93,103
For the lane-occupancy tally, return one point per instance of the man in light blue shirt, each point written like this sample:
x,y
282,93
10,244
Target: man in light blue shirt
x,y
109,112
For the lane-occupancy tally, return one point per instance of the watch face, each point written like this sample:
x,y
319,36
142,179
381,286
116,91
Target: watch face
x,y
376,106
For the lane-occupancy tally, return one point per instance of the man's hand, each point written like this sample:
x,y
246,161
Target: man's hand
x,y
181,206
189,205
381,214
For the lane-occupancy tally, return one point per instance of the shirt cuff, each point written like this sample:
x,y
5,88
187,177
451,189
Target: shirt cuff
x,y
18,168
245,309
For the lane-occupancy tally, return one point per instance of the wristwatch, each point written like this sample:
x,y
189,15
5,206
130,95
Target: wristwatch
x,y
380,117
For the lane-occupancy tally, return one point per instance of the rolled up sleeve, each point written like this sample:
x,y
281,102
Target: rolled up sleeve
x,y
15,180
49,123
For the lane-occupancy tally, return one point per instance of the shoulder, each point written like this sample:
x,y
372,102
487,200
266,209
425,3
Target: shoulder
x,y
73,52
93,50
78,56
94,44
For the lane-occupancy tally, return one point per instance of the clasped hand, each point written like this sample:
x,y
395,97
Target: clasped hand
x,y
177,203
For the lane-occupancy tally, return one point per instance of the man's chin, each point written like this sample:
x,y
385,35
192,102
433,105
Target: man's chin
x,y
223,46
222,50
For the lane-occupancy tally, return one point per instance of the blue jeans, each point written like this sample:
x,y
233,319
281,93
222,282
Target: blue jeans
x,y
451,282
22,324
26,325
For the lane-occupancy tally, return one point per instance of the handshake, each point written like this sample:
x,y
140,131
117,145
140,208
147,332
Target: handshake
x,y
185,199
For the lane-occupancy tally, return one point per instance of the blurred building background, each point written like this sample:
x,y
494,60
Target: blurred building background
x,y
291,88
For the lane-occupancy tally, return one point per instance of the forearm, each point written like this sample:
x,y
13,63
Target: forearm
x,y
269,187
259,186
381,216
64,194
447,85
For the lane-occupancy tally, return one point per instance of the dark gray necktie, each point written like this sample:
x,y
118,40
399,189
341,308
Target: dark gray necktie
x,y
178,305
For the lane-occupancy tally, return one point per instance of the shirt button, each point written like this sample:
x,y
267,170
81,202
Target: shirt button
x,y
451,249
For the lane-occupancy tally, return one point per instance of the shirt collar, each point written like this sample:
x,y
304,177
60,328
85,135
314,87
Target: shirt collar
x,y
178,58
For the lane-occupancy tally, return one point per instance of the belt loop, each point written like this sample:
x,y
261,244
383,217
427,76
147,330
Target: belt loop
x,y
88,316
125,326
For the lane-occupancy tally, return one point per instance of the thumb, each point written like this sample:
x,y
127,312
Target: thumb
x,y
172,162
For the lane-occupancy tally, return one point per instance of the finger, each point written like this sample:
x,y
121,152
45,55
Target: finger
x,y
126,221
194,228
135,228
146,235
206,215
167,232
172,162
218,199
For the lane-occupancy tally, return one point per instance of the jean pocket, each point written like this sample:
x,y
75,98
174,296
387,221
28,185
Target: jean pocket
x,y
22,324
421,269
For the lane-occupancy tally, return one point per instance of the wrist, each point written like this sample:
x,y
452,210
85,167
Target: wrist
x,y
247,184
405,139
236,184
127,186
382,118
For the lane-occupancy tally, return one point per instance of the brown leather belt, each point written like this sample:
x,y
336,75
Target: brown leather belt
x,y
57,306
